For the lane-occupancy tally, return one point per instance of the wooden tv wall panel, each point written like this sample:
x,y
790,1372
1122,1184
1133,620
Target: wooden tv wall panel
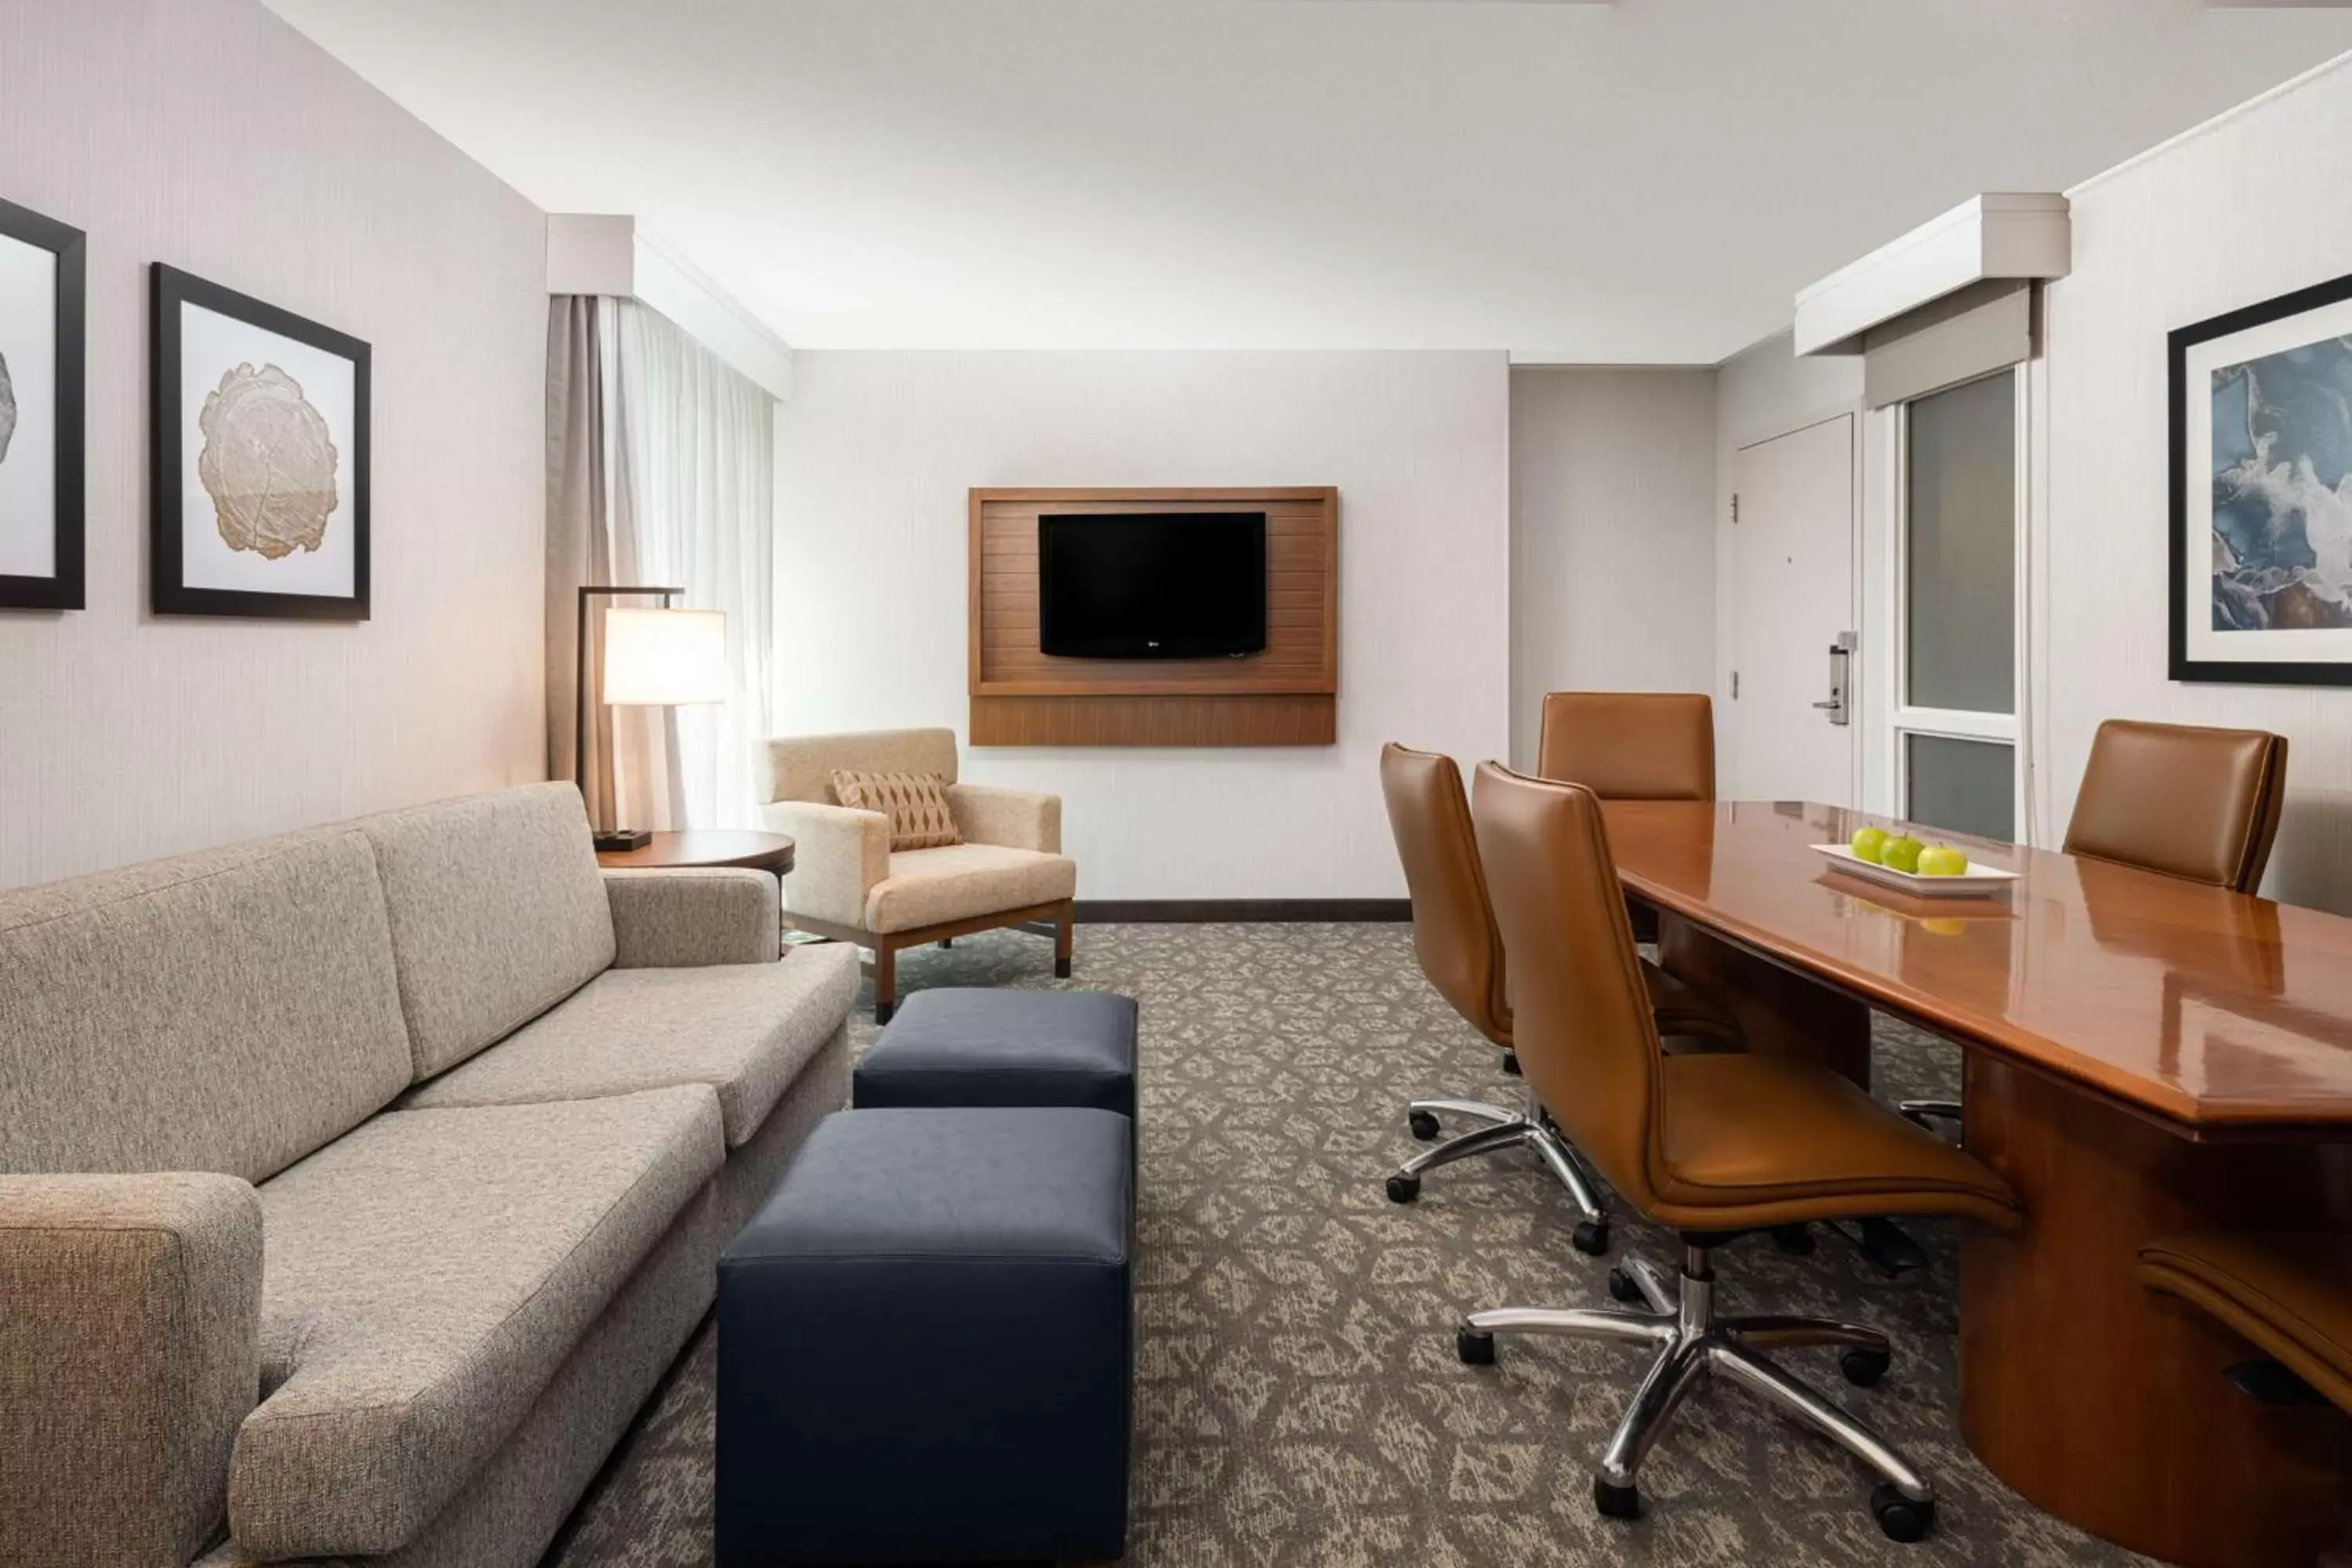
x,y
1287,695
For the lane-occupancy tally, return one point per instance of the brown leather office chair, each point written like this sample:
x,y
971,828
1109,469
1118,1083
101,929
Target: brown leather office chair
x,y
2188,802
2288,1295
1629,745
1713,1146
1454,937
1660,745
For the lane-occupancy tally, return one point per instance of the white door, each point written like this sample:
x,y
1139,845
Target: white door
x,y
1791,595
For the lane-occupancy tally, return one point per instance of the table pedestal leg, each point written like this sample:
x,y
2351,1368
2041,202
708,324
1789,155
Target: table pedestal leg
x,y
1781,1011
2103,1402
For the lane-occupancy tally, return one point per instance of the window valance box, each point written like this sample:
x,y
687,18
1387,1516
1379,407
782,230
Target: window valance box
x,y
1951,301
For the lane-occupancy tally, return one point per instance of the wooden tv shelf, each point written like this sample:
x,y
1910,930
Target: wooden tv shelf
x,y
1284,694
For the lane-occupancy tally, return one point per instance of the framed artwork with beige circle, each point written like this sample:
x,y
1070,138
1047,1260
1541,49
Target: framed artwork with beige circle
x,y
41,302
258,440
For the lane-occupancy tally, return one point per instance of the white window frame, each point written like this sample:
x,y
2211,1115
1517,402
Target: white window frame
x,y
1897,718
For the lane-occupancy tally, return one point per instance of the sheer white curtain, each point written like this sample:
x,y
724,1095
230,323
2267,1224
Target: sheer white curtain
x,y
703,440
661,469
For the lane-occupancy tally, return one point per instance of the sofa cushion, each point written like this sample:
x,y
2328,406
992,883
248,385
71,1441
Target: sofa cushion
x,y
423,1280
228,1011
926,887
745,1029
498,913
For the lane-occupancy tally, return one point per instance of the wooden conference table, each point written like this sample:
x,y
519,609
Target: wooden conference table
x,y
2143,1055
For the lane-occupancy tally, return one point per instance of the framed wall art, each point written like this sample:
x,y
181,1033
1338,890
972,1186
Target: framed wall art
x,y
260,444
42,264
2262,492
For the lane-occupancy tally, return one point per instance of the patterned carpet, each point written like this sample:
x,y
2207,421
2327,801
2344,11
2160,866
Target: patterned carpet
x,y
1299,1404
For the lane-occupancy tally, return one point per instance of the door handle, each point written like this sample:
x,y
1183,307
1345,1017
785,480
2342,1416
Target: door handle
x,y
1840,664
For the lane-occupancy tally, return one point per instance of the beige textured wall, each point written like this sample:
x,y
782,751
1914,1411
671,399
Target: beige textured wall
x,y
1612,536
874,456
208,133
2244,209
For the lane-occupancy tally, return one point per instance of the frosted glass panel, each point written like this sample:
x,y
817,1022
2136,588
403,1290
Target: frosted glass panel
x,y
1962,548
1968,787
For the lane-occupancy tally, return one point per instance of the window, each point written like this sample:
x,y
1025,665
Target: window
x,y
1967,787
1954,729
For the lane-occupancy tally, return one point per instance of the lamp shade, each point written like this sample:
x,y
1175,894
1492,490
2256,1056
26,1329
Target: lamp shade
x,y
659,658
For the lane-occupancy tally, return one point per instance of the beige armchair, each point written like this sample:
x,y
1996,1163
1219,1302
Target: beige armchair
x,y
847,884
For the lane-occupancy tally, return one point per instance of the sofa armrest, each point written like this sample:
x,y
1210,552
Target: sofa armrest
x,y
1011,817
683,918
130,1352
838,855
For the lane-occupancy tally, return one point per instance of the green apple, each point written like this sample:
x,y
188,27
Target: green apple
x,y
1901,854
1942,860
1868,843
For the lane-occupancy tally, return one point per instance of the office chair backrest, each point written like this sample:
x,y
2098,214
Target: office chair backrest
x,y
2188,802
1453,928
1629,745
1585,1036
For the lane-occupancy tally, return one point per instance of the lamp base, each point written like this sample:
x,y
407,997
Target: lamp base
x,y
624,838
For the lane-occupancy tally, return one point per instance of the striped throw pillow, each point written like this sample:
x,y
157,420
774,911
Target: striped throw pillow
x,y
917,804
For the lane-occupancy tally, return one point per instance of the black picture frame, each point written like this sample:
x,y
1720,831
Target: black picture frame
x,y
2249,672
65,588
170,594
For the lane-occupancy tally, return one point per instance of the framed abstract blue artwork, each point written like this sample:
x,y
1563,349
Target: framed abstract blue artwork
x,y
2262,492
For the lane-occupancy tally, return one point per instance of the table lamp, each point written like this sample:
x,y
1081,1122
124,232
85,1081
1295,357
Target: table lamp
x,y
662,658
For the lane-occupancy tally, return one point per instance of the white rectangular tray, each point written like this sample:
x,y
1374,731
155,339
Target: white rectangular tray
x,y
1978,880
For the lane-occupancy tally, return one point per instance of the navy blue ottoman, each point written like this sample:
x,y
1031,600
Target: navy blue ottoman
x,y
965,1047
925,1344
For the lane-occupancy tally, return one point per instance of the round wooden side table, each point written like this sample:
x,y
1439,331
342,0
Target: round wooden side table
x,y
703,846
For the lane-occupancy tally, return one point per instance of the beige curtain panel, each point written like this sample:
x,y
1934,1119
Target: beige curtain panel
x,y
661,470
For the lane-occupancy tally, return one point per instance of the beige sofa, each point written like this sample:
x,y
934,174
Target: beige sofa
x,y
848,884
360,1183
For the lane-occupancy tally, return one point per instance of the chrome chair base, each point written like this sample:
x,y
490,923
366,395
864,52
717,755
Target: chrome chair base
x,y
1498,1130
1689,1341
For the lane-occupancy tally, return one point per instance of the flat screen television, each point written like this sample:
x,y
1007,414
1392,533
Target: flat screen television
x,y
1181,585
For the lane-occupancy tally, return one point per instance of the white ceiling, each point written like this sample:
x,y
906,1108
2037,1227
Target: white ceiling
x,y
1648,182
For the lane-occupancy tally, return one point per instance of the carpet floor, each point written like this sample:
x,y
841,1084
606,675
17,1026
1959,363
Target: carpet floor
x,y
1299,1401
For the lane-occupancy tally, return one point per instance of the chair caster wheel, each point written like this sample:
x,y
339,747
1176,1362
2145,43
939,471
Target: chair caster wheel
x,y
1864,1366
1622,1286
1616,1502
1474,1346
1898,1516
1403,1189
1424,1125
946,942
1511,1064
1796,1240
1591,1237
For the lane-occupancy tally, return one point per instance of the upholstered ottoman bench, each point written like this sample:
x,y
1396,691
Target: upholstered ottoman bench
x,y
963,1046
925,1344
